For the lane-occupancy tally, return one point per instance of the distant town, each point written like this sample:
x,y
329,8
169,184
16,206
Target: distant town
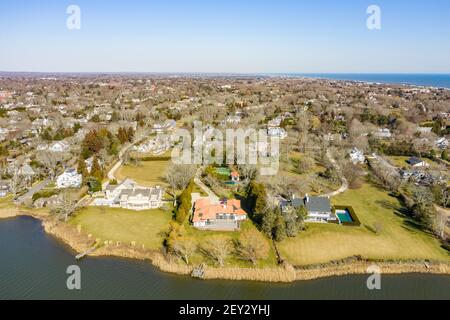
x,y
363,171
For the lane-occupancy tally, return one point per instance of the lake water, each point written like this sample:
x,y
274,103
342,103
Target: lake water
x,y
33,266
430,80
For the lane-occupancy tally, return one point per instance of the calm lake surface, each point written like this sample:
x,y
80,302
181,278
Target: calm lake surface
x,y
33,266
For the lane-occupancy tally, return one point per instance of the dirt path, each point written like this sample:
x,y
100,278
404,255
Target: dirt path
x,y
344,186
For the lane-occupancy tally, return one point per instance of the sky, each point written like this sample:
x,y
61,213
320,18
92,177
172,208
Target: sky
x,y
233,36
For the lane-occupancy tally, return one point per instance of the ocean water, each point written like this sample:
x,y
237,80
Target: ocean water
x,y
427,80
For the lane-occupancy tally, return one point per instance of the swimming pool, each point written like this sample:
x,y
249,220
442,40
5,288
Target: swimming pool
x,y
344,216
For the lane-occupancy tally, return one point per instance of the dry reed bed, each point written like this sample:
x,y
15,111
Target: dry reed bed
x,y
80,242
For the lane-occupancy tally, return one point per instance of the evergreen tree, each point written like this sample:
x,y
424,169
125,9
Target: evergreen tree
x,y
82,169
279,230
96,170
444,155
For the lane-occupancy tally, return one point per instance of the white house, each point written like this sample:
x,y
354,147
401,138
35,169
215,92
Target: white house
x,y
129,195
318,208
276,132
59,146
4,188
442,143
383,133
166,126
417,163
236,119
69,179
356,156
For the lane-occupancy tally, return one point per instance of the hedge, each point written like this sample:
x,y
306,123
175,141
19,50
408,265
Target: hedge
x,y
356,222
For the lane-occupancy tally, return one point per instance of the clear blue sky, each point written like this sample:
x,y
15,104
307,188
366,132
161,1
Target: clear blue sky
x,y
244,36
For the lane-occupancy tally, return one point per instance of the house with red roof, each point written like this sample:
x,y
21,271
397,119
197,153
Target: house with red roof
x,y
225,215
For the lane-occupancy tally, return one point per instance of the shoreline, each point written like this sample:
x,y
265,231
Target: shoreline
x,y
285,273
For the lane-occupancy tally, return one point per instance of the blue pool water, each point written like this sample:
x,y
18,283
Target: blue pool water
x,y
344,216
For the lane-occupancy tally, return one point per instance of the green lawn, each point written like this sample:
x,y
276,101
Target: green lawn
x,y
126,226
399,239
201,237
146,173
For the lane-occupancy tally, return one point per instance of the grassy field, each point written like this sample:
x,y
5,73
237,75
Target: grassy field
x,y
400,162
398,239
200,237
146,173
144,227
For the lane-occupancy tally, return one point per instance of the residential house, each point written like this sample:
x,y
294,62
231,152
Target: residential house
x,y
442,143
235,176
59,146
424,130
168,125
224,216
417,162
276,132
69,179
383,133
129,195
318,208
50,202
4,188
274,123
233,119
356,156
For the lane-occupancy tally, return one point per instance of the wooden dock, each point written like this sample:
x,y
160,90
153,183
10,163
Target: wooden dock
x,y
82,255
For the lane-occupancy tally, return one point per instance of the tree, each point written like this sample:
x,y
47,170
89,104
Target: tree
x,y
16,182
268,222
93,142
185,205
66,206
256,194
94,184
353,173
96,170
305,164
279,231
251,246
178,177
247,173
82,169
422,204
184,248
441,220
444,155
217,248
50,161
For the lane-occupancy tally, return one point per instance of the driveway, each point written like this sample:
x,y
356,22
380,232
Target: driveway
x,y
212,196
344,186
29,194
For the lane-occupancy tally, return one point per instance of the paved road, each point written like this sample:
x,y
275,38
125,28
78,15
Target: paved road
x,y
32,191
212,196
113,170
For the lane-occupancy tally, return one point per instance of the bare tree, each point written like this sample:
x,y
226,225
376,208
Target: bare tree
x,y
247,172
251,246
441,221
217,248
50,161
66,206
16,182
178,177
184,248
